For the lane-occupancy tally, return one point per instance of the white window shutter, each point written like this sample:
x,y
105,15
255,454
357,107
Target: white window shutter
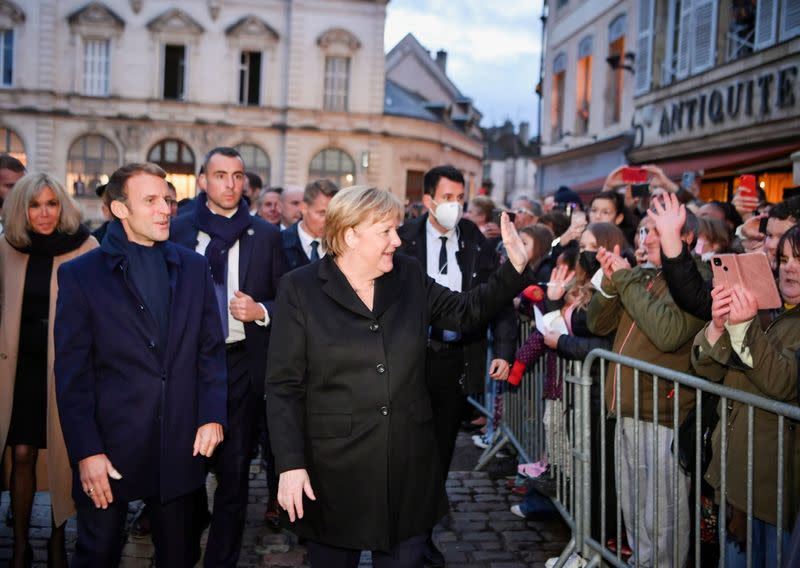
x,y
790,19
766,14
704,40
644,47
685,33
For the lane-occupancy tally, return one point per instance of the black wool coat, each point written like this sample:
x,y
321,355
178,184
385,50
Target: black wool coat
x,y
347,398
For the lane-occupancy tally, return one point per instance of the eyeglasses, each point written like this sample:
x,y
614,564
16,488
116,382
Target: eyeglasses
x,y
522,211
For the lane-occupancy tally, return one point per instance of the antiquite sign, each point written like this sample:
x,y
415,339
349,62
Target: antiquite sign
x,y
763,94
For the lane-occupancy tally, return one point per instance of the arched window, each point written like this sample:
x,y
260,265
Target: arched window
x,y
335,165
177,159
91,159
11,143
255,160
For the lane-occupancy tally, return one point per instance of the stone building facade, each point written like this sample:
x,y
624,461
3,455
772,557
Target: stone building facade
x,y
587,91
299,86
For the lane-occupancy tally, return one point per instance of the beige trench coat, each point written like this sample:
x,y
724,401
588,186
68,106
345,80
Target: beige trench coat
x,y
13,265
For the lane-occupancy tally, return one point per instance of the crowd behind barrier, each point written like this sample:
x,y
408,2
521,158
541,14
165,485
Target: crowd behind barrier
x,y
579,466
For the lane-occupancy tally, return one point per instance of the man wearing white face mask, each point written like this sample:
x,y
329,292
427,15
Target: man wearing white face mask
x,y
456,255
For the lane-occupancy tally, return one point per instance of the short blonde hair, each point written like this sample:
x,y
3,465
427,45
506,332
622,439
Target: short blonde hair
x,y
15,208
351,207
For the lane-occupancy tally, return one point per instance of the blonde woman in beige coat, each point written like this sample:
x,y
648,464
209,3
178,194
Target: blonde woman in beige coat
x,y
42,231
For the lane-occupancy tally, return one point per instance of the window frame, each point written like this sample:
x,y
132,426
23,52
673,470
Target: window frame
x,y
108,66
183,95
249,166
334,175
245,75
104,165
12,83
332,100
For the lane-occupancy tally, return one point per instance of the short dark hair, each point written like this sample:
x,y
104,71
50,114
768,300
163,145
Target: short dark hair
x,y
792,236
171,186
9,162
274,189
223,151
254,180
557,220
432,177
786,209
116,186
324,186
614,197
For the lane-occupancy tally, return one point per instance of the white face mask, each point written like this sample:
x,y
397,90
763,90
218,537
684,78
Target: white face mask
x,y
448,214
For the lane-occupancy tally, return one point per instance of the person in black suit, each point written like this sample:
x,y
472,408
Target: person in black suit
x,y
246,263
456,255
349,410
302,242
140,375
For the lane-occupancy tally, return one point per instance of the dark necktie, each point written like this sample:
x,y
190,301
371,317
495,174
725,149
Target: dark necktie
x,y
314,251
443,256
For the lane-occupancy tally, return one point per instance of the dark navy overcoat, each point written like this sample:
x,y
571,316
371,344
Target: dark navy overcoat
x,y
122,394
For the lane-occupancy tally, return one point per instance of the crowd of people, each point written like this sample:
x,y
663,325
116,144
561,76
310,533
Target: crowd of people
x,y
341,332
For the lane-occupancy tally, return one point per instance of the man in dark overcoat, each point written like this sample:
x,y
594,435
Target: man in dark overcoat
x,y
247,261
140,375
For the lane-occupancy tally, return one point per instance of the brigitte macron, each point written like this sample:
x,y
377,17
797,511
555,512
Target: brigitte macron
x,y
349,415
42,231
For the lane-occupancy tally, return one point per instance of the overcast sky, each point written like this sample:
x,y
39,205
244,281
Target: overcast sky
x,y
493,49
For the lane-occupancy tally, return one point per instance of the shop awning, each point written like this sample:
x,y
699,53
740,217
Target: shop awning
x,y
729,161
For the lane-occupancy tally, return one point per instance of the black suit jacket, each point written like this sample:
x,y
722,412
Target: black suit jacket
x,y
347,398
477,260
261,265
293,248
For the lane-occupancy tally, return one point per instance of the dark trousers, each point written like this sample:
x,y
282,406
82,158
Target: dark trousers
x,y
101,533
407,554
231,463
443,371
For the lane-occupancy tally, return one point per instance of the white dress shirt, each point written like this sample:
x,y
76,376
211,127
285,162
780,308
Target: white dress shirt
x,y
306,240
235,327
452,279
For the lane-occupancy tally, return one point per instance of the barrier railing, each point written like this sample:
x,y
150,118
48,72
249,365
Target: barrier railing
x,y
659,506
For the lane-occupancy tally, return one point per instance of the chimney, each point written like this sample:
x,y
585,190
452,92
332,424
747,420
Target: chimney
x,y
524,131
441,60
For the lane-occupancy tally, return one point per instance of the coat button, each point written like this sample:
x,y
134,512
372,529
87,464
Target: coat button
x,y
151,344
141,307
381,368
374,326
384,410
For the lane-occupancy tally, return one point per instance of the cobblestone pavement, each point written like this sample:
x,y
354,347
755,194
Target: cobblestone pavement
x,y
480,531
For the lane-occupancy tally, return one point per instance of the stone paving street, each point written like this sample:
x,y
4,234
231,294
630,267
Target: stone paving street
x,y
480,532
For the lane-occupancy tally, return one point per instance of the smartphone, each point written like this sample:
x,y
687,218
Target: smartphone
x,y
791,192
687,181
497,213
750,271
634,175
640,189
762,225
748,183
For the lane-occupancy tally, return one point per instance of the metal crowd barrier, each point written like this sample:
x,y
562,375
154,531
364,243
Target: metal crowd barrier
x,y
566,442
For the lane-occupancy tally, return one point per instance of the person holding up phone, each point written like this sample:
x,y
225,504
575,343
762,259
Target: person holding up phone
x,y
737,350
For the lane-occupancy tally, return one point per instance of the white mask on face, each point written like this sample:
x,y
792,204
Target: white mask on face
x,y
448,214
